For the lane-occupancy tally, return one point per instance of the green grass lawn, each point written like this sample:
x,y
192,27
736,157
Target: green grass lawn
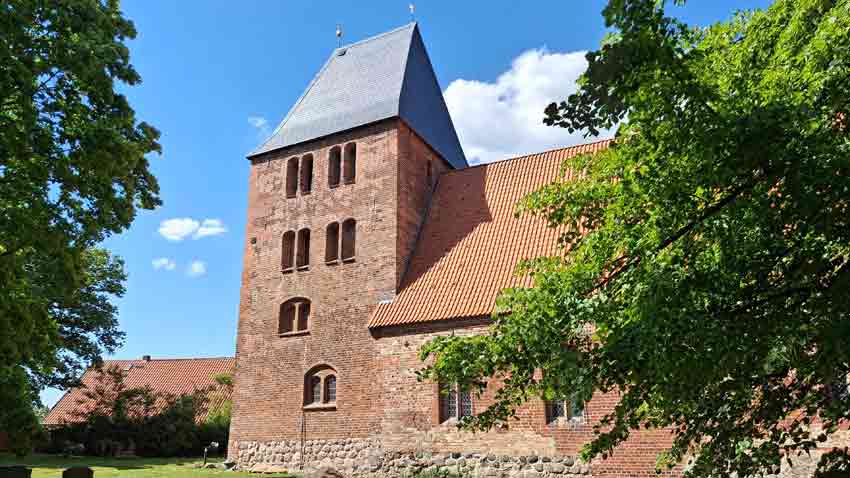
x,y
50,466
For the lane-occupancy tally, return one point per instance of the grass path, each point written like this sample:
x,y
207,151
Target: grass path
x,y
51,466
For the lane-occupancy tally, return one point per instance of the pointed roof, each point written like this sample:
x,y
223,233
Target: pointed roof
x,y
382,77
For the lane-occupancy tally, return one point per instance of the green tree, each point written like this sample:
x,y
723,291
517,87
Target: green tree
x,y
73,170
712,290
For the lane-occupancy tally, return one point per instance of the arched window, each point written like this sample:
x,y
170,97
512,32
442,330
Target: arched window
x,y
320,386
454,402
303,258
294,316
307,174
287,251
291,177
334,166
332,242
349,237
349,167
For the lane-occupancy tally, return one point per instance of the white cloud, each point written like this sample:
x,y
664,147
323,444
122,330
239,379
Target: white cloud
x,y
178,229
261,125
210,227
196,269
501,119
164,263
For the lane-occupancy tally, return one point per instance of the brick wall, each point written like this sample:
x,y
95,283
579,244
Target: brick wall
x,y
410,413
414,190
388,201
270,369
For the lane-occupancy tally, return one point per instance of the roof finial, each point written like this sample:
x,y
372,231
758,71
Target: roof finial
x,y
412,12
338,35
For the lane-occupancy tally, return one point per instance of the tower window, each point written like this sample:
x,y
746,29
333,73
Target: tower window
x,y
307,174
332,242
287,251
291,177
294,316
320,387
334,166
349,236
454,402
349,169
303,258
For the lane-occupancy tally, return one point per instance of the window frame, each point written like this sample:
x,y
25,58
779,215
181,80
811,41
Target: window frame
x,y
327,379
349,163
305,174
292,177
569,414
332,243
299,322
334,167
348,240
452,396
287,251
302,254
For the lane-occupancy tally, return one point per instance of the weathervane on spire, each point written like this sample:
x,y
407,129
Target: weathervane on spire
x,y
338,35
412,8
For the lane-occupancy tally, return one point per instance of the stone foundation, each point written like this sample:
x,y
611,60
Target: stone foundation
x,y
367,458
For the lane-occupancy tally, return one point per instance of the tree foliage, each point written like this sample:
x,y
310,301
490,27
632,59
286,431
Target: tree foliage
x,y
711,291
72,171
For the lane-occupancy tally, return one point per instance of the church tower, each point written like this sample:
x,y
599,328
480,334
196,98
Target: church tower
x,y
337,196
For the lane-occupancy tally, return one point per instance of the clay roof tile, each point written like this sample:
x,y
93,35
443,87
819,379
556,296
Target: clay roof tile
x,y
471,241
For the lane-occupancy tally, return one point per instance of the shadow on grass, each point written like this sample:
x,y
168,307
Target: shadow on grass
x,y
60,462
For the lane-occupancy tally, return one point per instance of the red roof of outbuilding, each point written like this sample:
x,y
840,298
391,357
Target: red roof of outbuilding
x,y
170,376
471,241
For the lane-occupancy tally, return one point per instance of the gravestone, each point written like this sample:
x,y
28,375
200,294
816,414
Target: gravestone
x,y
15,471
78,472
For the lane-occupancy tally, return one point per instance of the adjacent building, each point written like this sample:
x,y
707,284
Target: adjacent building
x,y
164,376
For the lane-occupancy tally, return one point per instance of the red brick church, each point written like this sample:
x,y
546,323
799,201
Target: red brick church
x,y
367,235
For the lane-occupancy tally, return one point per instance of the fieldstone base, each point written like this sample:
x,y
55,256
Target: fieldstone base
x,y
366,458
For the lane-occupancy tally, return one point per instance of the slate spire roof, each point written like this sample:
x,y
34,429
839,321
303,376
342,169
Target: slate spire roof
x,y
382,77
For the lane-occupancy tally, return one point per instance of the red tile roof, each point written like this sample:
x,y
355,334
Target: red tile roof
x,y
471,242
172,376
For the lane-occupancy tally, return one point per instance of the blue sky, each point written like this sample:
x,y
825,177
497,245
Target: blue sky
x,y
218,75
